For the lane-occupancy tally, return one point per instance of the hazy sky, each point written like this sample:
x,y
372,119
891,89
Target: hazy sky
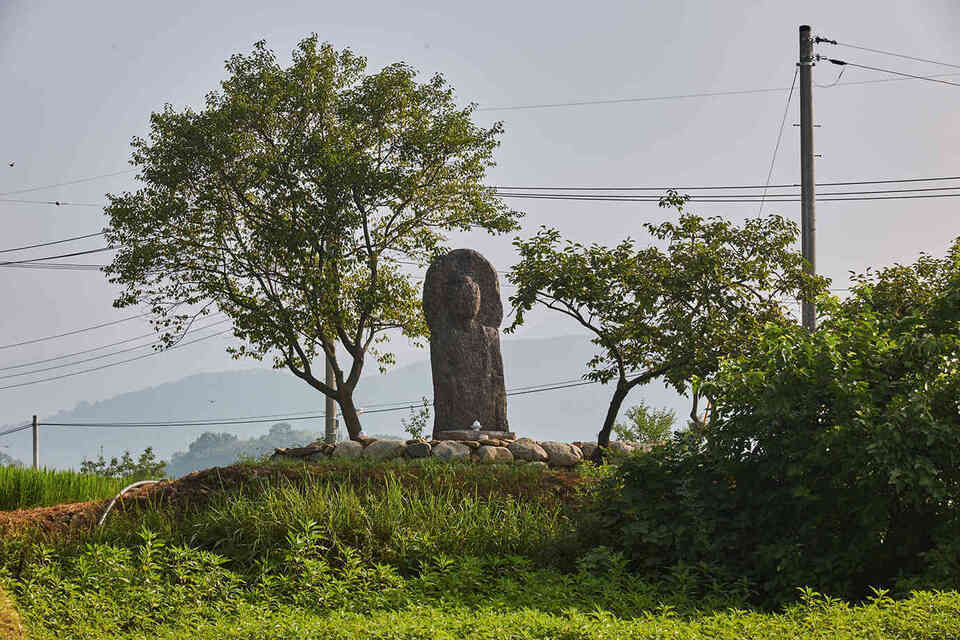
x,y
81,78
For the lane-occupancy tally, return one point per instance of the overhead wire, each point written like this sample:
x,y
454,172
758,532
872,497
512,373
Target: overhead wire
x,y
889,53
681,96
52,242
16,429
718,199
97,357
67,183
59,203
890,71
846,183
74,332
113,364
56,257
776,148
370,409
84,351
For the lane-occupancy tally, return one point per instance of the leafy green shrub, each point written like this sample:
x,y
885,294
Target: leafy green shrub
x,y
645,424
832,459
145,467
415,425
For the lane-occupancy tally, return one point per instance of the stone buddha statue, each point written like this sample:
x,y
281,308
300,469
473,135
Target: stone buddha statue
x,y
461,303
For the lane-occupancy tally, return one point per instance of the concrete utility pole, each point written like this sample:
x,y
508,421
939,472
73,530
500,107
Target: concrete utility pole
x,y
330,413
36,444
808,225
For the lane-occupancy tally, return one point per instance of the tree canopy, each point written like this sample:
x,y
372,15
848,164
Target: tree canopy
x,y
671,312
291,203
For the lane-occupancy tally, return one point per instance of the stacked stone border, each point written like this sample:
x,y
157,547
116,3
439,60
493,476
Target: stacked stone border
x,y
484,451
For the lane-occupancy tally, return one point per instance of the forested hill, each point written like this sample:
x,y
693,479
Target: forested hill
x,y
568,414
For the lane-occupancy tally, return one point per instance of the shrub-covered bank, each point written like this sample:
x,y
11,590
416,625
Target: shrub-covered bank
x,y
832,458
158,590
394,549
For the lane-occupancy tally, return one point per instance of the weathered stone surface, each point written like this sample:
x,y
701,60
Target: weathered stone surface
x,y
364,440
470,434
562,454
527,449
462,306
348,449
321,454
490,455
299,452
384,449
418,449
451,451
588,449
473,444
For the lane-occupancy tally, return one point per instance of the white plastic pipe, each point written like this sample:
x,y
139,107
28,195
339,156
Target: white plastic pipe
x,y
125,489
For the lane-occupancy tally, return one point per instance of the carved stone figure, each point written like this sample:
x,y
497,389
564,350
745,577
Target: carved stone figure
x,y
461,303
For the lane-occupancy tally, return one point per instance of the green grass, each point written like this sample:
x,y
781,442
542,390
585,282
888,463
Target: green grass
x,y
397,551
22,488
926,616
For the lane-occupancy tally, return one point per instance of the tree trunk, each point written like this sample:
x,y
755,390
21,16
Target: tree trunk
x,y
349,412
603,438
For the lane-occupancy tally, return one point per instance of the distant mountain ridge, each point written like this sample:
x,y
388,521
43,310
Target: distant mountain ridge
x,y
567,414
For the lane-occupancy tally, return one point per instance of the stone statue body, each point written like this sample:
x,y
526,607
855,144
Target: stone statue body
x,y
461,302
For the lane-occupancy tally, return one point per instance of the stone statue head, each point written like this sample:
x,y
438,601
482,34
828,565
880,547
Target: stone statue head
x,y
464,296
459,287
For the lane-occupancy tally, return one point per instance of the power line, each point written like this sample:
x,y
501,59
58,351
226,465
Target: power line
x,y
755,186
889,53
113,364
655,197
92,358
682,96
52,242
72,333
16,429
511,192
890,71
715,199
59,203
84,351
386,408
584,103
57,266
69,182
62,255
776,148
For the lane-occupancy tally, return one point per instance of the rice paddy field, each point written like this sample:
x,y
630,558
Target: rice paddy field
x,y
24,488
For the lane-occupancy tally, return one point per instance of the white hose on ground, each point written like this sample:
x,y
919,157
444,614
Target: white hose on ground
x,y
125,489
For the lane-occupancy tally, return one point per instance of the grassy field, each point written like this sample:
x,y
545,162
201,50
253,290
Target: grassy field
x,y
22,488
432,550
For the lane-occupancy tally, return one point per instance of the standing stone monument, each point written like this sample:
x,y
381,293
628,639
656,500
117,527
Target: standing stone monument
x,y
461,303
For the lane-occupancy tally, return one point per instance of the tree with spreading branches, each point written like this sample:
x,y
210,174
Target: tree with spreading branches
x,y
671,312
291,203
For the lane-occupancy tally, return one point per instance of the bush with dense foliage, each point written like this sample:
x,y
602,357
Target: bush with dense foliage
x,y
646,424
671,311
146,466
832,458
